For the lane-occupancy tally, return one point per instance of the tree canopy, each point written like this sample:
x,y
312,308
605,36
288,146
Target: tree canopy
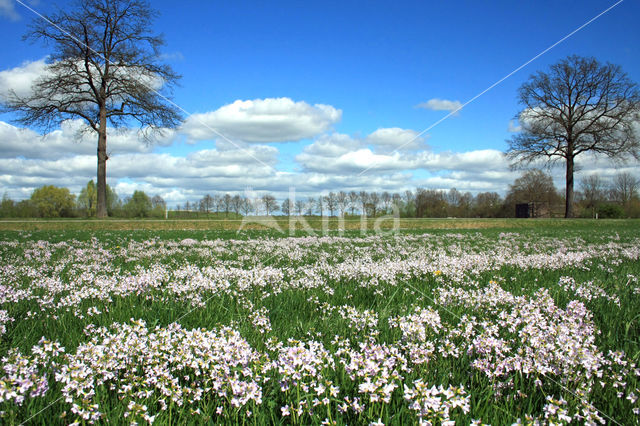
x,y
578,106
104,69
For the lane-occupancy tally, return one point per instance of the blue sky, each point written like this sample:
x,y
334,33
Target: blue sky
x,y
367,64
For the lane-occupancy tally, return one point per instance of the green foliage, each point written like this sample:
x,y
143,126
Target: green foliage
x,y
610,211
51,201
139,205
88,200
7,207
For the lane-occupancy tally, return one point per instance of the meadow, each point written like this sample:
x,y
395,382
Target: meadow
x,y
441,322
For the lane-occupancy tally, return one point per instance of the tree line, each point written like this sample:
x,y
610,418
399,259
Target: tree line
x,y
596,197
50,201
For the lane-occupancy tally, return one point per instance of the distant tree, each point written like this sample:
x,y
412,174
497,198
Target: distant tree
x,y
409,204
26,208
104,69
287,207
246,206
342,200
578,106
320,205
534,186
396,200
624,188
88,199
593,192
139,205
363,197
374,203
430,203
51,201
7,206
353,201
236,204
208,203
299,207
158,206
487,204
310,206
331,202
270,204
226,203
385,199
464,205
219,200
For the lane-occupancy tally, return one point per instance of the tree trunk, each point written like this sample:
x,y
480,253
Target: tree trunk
x,y
101,208
568,210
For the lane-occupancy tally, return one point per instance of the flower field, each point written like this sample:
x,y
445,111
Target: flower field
x,y
447,327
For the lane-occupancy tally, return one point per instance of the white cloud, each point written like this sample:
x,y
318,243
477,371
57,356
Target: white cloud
x,y
71,140
21,78
513,127
7,9
263,120
436,104
395,138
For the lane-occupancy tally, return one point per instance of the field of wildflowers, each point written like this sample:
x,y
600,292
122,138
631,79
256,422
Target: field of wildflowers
x,y
447,327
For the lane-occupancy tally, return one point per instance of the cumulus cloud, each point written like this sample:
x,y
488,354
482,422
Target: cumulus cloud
x,y
436,104
263,120
72,139
513,127
395,138
21,78
7,9
20,81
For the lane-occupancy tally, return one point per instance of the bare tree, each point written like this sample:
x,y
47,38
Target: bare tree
x,y
310,205
270,204
236,204
246,206
534,186
385,197
396,200
157,202
104,69
374,202
487,204
593,192
353,201
364,199
300,205
331,202
287,207
208,203
226,203
579,106
625,188
342,200
320,205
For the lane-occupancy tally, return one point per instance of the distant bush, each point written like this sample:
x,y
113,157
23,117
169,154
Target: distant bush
x,y
610,211
51,201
